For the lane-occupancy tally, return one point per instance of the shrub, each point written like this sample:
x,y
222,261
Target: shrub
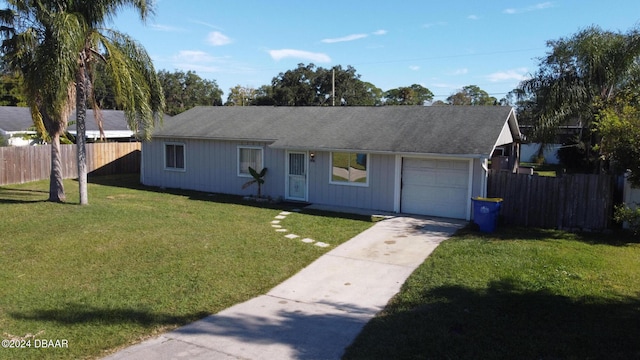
x,y
623,213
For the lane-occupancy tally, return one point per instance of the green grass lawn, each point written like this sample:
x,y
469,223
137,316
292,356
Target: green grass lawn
x,y
544,169
138,261
515,294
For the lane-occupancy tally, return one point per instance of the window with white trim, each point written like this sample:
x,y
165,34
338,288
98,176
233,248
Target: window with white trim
x,y
349,169
174,156
249,156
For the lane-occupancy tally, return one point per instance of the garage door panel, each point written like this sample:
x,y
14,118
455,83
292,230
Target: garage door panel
x,y
445,178
435,187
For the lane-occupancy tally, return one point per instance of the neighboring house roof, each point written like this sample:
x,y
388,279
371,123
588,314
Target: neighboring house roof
x,y
15,119
468,130
18,119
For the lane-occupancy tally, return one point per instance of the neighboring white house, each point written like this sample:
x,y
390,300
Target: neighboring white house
x,y
16,122
565,134
16,125
404,159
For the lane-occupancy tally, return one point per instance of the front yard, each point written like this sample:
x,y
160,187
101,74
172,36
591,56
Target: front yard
x,y
516,294
138,261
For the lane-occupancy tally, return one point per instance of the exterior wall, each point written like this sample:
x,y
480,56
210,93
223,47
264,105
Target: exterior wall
x,y
631,197
210,166
377,195
529,151
479,179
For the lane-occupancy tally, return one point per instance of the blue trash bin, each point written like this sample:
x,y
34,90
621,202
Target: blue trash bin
x,y
485,213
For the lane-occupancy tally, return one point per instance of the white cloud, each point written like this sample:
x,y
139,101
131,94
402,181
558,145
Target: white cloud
x,y
345,38
462,71
166,28
299,54
203,23
380,32
430,25
217,38
513,74
473,17
414,67
193,56
536,7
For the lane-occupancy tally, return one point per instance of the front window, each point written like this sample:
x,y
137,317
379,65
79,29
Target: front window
x,y
249,157
174,156
349,168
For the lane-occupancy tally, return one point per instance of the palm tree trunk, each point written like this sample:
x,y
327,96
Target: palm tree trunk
x,y
56,187
81,114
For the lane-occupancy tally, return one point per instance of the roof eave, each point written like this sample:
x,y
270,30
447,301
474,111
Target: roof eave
x,y
380,152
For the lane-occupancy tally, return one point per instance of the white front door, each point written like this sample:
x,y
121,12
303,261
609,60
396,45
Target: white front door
x,y
296,176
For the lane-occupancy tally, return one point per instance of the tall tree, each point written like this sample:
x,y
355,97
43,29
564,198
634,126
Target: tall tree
x,y
31,32
11,89
264,95
295,87
59,49
182,91
580,77
412,95
241,96
342,87
471,95
136,86
310,86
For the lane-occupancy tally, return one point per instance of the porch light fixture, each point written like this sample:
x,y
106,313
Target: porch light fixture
x,y
312,157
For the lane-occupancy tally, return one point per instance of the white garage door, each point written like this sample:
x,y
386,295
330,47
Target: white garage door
x,y
435,187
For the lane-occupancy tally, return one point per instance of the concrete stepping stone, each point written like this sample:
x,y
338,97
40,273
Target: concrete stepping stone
x,y
276,226
285,213
321,244
280,217
291,236
275,222
308,241
282,230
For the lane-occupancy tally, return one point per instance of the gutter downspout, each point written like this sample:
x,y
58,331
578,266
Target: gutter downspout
x,y
485,177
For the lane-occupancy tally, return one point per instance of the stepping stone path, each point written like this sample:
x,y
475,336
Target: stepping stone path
x,y
278,228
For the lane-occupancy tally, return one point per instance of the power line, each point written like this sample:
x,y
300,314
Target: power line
x,y
449,56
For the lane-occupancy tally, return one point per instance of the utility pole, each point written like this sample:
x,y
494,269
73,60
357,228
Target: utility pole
x,y
333,86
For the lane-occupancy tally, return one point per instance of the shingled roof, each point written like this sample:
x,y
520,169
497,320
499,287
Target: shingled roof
x,y
468,130
14,118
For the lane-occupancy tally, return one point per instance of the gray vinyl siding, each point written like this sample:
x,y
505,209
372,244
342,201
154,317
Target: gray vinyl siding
x,y
378,195
478,175
211,166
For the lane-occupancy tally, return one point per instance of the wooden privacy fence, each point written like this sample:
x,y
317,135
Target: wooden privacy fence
x,y
21,164
579,201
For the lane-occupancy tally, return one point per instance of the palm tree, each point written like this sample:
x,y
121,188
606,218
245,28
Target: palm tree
x,y
135,82
75,30
31,44
579,77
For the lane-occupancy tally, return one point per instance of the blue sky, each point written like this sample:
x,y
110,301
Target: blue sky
x,y
441,45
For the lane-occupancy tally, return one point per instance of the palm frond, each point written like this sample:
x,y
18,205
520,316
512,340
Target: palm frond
x,y
136,85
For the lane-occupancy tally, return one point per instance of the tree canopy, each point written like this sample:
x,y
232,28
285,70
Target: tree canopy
x,y
182,91
411,95
584,78
471,95
308,85
11,89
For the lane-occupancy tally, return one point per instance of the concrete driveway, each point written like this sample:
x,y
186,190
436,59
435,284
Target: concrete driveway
x,y
316,313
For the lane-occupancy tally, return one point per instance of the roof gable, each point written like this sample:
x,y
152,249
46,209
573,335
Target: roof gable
x,y
452,130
